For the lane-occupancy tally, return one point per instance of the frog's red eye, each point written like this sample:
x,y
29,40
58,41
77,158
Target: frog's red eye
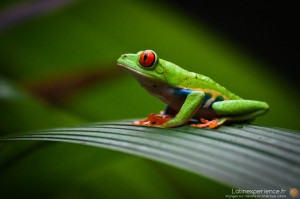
x,y
147,58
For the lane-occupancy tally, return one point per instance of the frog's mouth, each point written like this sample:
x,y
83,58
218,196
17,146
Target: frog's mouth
x,y
135,73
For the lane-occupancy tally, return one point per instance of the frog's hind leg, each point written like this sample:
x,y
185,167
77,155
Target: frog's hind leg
x,y
235,111
239,110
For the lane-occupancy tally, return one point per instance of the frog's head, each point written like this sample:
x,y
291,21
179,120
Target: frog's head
x,y
146,65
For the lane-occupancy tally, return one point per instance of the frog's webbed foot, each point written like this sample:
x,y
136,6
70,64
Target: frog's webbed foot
x,y
153,120
214,123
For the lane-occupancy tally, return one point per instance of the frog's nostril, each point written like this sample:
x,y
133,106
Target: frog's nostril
x,y
124,56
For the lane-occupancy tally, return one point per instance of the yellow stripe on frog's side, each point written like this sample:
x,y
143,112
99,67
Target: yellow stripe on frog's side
x,y
214,95
210,97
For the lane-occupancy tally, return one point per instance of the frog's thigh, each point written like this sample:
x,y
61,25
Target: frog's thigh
x,y
239,107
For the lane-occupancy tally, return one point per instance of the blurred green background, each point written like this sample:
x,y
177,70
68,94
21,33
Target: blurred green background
x,y
58,68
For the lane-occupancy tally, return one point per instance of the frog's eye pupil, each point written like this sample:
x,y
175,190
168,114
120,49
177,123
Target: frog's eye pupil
x,y
147,58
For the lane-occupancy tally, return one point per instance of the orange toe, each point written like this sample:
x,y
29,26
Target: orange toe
x,y
207,123
153,120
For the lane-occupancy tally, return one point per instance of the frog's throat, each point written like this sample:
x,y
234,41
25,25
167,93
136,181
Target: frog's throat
x,y
153,85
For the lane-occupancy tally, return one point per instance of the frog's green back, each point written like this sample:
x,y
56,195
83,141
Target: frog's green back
x,y
176,76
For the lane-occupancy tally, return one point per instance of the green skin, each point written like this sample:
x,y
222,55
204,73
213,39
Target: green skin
x,y
190,95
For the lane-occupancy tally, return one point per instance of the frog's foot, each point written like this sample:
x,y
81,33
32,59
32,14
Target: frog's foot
x,y
153,120
214,123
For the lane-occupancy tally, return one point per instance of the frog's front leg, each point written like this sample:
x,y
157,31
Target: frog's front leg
x,y
236,110
190,106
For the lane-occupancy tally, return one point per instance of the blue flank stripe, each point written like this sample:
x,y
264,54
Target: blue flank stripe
x,y
186,92
166,110
182,92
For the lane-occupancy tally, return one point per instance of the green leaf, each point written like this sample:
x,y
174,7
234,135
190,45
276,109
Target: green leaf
x,y
247,156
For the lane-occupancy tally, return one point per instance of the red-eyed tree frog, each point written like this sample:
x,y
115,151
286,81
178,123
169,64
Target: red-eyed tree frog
x,y
188,95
